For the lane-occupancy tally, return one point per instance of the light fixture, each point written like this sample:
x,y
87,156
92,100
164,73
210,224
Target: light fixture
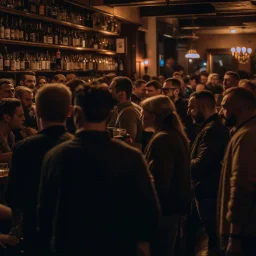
x,y
146,62
233,31
242,54
192,54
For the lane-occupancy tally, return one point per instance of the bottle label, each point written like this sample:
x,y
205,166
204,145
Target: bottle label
x,y
83,43
54,14
56,39
17,34
12,33
33,8
2,32
26,36
96,46
27,65
7,63
7,33
32,37
41,9
65,41
21,35
50,40
17,65
1,64
33,65
13,65
43,65
45,40
22,65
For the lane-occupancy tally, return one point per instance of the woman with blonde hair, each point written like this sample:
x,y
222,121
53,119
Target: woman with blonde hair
x,y
213,84
168,157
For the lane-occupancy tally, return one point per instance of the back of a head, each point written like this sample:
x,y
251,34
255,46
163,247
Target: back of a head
x,y
205,97
242,98
175,82
233,74
123,83
154,83
8,106
138,83
96,102
53,102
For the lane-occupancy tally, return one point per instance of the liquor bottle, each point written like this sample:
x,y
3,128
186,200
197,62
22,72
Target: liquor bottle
x,y
121,66
47,61
27,62
13,62
7,30
58,60
54,10
41,8
45,39
32,5
70,39
74,43
40,33
1,62
17,31
17,62
2,27
12,29
6,60
82,41
33,65
43,62
26,32
48,9
32,33
50,35
89,21
56,37
19,4
60,36
22,62
65,38
90,63
96,43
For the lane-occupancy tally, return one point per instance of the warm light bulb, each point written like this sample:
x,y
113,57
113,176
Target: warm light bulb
x,y
243,49
238,49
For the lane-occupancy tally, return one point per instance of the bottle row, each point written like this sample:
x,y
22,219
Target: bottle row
x,y
68,13
19,29
21,61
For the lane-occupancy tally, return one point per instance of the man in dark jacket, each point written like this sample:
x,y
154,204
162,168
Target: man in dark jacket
x,y
172,89
206,157
96,195
52,107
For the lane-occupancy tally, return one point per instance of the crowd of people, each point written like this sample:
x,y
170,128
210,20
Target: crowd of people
x,y
73,189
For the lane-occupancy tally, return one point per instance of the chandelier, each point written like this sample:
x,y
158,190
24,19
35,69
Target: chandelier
x,y
192,54
241,54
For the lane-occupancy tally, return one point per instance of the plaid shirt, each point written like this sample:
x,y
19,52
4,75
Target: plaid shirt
x,y
4,147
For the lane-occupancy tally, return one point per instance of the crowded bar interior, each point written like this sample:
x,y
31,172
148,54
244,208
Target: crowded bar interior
x,y
127,127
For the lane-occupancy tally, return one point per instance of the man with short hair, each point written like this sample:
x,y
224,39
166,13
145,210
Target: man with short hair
x,y
28,79
6,88
59,78
193,81
110,176
139,91
53,103
204,77
11,117
172,89
126,115
206,157
153,88
236,200
231,79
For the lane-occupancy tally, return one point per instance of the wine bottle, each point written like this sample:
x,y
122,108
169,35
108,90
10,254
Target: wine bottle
x,y
13,62
2,27
7,30
17,62
58,60
6,60
27,62
54,10
1,62
17,30
50,35
32,33
65,38
21,30
22,61
41,8
12,29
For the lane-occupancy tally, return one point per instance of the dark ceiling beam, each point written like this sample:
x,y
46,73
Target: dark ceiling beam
x,y
216,22
177,10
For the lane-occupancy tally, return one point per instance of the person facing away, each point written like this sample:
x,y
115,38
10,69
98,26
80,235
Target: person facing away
x,y
96,194
207,153
11,118
237,191
172,89
52,107
168,157
126,115
139,91
6,88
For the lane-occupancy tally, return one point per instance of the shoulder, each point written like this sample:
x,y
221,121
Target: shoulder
x,y
215,127
30,141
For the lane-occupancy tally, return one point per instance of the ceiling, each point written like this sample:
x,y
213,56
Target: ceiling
x,y
201,16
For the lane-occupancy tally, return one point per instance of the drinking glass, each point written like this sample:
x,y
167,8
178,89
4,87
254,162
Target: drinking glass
x,y
117,132
4,169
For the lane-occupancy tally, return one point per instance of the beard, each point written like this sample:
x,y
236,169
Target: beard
x,y
199,118
231,121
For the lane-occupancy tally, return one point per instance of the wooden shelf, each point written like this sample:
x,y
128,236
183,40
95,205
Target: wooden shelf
x,y
47,19
58,71
56,46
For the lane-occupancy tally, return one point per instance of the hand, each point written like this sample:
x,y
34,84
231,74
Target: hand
x,y
9,240
234,247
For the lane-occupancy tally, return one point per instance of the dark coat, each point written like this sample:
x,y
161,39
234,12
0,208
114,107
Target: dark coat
x,y
96,197
25,172
206,157
168,157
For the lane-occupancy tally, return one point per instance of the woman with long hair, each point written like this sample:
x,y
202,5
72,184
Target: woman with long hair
x,y
168,157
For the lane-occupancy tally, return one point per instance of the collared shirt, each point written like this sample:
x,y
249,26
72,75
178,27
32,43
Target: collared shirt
x,y
7,147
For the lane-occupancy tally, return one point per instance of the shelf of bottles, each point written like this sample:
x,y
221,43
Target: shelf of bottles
x,y
51,62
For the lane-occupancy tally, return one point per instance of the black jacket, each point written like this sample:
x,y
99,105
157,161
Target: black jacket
x,y
206,157
24,177
96,197
168,157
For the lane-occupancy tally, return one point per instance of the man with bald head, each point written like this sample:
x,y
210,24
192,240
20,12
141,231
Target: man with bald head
x,y
237,201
